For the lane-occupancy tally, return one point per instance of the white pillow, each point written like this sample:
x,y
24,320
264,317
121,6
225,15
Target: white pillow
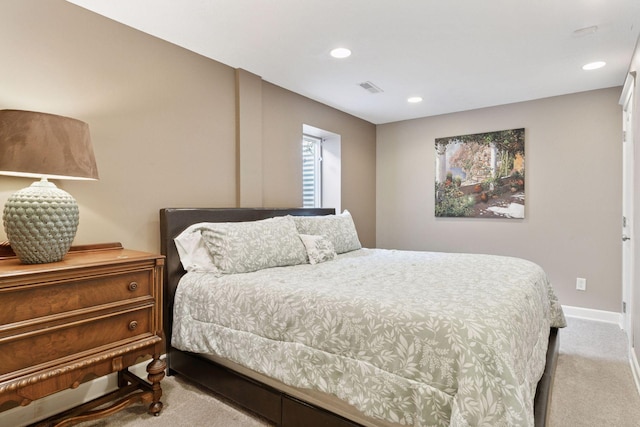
x,y
338,229
193,253
319,248
242,247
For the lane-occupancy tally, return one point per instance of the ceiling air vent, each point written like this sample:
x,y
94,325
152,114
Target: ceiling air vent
x,y
371,87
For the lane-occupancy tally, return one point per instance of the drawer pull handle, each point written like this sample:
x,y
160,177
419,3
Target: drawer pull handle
x,y
133,286
133,325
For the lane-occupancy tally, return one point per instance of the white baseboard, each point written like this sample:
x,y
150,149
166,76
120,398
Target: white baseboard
x,y
66,399
592,314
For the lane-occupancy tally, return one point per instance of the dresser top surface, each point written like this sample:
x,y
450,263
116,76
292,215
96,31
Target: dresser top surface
x,y
82,257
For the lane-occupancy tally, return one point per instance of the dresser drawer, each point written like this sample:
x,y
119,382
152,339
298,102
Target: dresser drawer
x,y
73,339
48,298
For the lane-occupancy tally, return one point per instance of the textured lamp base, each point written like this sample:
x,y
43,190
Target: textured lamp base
x,y
41,222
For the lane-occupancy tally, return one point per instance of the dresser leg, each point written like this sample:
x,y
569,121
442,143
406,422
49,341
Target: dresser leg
x,y
156,370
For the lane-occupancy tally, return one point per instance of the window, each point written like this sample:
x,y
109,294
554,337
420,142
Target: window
x,y
311,171
321,168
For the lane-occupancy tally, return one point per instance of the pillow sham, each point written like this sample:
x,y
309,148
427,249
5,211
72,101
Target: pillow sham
x,y
338,229
192,251
319,249
242,247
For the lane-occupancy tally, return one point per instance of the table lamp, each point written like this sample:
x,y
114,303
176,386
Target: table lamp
x,y
41,220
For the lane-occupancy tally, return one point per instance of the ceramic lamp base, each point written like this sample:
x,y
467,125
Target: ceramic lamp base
x,y
41,222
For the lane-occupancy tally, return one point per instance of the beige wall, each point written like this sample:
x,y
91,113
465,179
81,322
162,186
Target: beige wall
x,y
163,123
573,191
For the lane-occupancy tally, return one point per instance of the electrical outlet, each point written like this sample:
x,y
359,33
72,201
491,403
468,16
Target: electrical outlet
x,y
581,284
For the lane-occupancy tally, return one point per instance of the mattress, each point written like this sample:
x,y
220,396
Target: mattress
x,y
413,338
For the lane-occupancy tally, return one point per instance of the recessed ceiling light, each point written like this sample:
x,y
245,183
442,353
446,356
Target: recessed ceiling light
x,y
594,65
341,52
414,99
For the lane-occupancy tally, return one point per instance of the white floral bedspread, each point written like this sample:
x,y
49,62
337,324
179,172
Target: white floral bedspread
x,y
416,338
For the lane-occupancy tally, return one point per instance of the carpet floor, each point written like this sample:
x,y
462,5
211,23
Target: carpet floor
x,y
593,387
594,384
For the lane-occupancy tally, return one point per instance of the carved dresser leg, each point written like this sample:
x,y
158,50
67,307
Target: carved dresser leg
x,y
156,371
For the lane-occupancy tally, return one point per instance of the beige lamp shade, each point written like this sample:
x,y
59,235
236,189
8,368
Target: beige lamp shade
x,y
45,145
41,220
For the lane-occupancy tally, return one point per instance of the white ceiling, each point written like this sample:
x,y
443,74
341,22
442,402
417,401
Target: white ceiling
x,y
456,54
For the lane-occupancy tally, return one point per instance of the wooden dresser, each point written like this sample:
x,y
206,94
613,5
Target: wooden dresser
x,y
96,312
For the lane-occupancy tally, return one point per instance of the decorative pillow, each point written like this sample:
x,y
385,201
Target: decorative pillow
x,y
242,247
319,249
338,229
193,253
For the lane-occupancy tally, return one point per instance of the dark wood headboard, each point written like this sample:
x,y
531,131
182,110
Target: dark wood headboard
x,y
175,220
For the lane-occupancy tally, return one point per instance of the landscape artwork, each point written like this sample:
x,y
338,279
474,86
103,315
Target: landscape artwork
x,y
480,175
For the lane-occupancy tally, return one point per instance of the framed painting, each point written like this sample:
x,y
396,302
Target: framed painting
x,y
481,175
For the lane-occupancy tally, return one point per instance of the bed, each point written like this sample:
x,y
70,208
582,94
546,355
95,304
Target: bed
x,y
311,377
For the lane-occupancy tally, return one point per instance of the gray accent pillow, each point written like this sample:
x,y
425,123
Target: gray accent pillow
x,y
319,248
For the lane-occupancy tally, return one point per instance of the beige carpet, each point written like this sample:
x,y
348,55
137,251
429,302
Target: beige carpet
x,y
593,384
184,405
593,387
